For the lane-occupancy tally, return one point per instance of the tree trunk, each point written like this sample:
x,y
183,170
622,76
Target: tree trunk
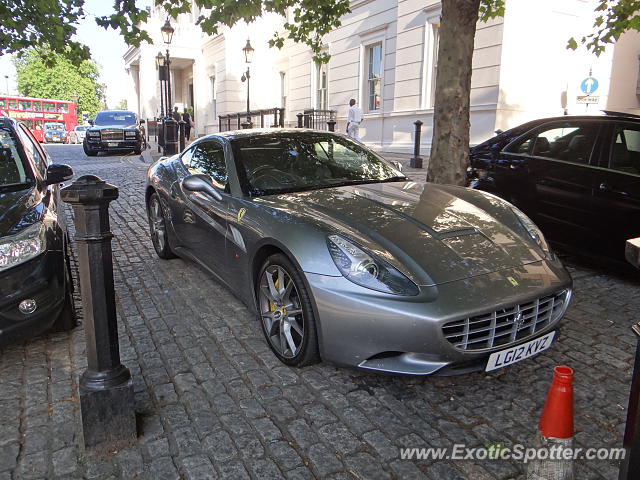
x,y
450,144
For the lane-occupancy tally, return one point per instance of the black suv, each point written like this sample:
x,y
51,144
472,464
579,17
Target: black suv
x,y
578,177
35,278
114,130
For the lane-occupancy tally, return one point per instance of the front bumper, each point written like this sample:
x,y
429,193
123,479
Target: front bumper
x,y
108,145
362,328
41,279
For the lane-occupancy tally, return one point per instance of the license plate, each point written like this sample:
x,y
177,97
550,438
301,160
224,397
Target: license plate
x,y
112,144
515,354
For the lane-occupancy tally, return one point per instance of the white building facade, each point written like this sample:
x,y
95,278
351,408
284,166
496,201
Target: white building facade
x,y
385,56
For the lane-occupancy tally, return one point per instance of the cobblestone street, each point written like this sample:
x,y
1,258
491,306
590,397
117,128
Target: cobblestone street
x,y
214,402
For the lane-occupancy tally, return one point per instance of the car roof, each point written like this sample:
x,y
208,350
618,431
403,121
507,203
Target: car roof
x,y
117,111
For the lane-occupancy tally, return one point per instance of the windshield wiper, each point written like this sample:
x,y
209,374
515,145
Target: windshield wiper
x,y
8,187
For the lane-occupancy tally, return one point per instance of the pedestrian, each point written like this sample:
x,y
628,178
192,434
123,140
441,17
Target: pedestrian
x,y
176,114
186,117
354,120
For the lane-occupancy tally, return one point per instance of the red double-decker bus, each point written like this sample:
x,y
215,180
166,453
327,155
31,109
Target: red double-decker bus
x,y
37,113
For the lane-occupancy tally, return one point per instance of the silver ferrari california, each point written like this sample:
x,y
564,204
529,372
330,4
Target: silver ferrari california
x,y
345,259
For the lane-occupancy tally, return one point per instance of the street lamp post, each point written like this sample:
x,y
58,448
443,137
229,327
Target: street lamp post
x,y
161,77
169,124
6,81
248,56
167,35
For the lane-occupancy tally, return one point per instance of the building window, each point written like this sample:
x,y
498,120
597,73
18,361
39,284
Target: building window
x,y
374,79
212,80
430,61
435,28
321,87
283,90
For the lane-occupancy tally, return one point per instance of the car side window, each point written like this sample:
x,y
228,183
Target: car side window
x,y
571,142
32,151
208,158
186,156
625,149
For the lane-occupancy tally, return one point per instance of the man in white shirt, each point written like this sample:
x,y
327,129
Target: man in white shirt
x,y
354,120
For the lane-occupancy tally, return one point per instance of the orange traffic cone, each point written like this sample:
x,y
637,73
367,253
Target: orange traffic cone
x,y
555,431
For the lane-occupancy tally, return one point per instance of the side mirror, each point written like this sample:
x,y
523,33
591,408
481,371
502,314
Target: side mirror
x,y
499,131
58,173
91,122
142,122
201,183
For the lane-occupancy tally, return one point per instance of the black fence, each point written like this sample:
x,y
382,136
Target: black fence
x,y
317,119
266,118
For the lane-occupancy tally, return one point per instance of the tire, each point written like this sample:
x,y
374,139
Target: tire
x,y
67,320
300,348
158,228
88,152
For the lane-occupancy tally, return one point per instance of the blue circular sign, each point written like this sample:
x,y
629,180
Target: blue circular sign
x,y
589,85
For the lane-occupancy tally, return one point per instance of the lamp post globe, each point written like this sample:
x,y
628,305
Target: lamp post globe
x,y
167,32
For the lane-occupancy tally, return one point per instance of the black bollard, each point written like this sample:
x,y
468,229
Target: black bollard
x,y
170,136
106,387
331,124
416,160
630,467
299,115
182,124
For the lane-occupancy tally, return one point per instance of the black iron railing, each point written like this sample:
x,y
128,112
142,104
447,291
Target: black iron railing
x,y
265,118
317,119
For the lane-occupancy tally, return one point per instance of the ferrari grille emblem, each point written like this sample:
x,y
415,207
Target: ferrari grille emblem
x,y
513,281
241,213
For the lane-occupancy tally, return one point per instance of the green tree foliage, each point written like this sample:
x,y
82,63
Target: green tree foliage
x,y
58,78
122,105
613,18
32,23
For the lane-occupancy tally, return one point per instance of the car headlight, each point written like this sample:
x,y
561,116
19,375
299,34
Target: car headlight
x,y
130,133
533,230
24,246
94,134
367,270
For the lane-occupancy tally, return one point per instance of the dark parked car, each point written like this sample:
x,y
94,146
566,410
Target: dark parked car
x,y
344,259
35,280
577,177
114,130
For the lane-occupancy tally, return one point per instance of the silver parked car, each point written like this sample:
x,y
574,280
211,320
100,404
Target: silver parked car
x,y
77,134
344,259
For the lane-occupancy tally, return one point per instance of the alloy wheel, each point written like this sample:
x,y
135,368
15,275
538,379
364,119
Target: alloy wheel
x,y
281,311
156,224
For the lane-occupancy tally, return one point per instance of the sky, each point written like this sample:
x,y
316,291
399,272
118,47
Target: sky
x,y
107,48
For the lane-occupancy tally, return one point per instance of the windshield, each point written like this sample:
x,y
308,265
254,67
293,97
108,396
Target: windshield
x,y
14,174
115,118
291,162
54,126
81,128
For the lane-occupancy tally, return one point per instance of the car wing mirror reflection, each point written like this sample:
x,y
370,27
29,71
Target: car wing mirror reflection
x,y
201,183
58,173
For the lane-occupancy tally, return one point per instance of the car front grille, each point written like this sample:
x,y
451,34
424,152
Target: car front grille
x,y
507,325
110,135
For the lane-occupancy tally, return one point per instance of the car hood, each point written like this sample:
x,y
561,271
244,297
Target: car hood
x,y
424,228
17,210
